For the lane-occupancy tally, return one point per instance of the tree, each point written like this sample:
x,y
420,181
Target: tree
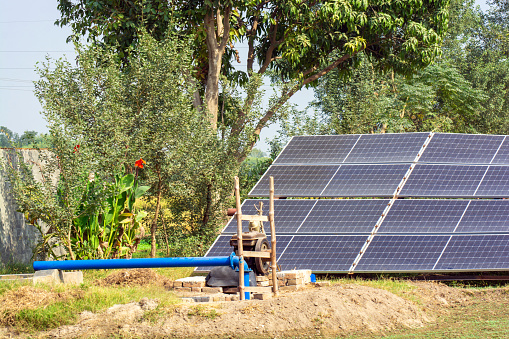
x,y
298,41
109,113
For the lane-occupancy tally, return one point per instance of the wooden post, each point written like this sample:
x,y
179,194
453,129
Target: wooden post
x,y
240,246
273,237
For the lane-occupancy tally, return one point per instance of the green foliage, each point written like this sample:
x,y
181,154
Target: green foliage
x,y
29,139
296,42
102,118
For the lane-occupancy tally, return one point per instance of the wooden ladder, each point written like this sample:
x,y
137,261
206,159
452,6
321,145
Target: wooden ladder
x,y
253,254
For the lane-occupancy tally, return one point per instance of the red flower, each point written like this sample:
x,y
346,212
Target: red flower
x,y
139,163
76,148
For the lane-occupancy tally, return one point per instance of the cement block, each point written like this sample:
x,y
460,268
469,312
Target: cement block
x,y
47,277
75,277
177,284
298,281
263,283
196,289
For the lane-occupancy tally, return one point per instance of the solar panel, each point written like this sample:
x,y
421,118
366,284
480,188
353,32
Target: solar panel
x,y
443,181
476,252
288,214
320,149
387,148
461,148
295,181
403,253
343,216
423,216
366,181
502,156
485,216
321,253
495,183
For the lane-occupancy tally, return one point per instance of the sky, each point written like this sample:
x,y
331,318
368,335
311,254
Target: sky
x,y
27,36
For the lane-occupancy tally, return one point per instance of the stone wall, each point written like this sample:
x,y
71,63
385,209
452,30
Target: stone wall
x,y
17,238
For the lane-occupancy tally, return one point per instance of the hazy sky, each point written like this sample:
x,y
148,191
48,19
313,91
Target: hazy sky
x,y
27,35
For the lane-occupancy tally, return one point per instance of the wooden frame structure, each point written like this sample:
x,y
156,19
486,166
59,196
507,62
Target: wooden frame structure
x,y
266,254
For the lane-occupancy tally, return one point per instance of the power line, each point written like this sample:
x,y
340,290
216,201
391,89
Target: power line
x,y
36,51
24,21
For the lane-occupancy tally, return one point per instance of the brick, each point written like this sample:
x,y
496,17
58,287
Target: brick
x,y
193,283
218,298
182,289
204,299
262,296
177,284
262,283
212,289
262,278
227,298
234,298
196,289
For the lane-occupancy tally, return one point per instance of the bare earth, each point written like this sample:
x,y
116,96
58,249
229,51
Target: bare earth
x,y
314,312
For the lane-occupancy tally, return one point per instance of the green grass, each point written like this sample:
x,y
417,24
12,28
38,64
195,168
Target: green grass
x,y
15,268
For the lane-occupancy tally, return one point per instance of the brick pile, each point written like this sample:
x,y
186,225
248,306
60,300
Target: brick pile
x,y
292,280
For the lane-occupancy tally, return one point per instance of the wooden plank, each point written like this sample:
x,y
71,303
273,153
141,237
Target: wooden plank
x,y
240,249
273,263
255,217
258,289
255,254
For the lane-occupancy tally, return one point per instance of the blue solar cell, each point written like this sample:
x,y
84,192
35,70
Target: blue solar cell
x,y
461,148
319,149
288,214
386,148
321,253
403,253
502,157
495,183
295,181
344,216
443,181
476,252
366,181
485,216
423,216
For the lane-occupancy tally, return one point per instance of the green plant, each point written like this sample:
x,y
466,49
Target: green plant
x,y
112,228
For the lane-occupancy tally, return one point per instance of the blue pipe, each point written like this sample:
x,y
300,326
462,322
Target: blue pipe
x,y
232,261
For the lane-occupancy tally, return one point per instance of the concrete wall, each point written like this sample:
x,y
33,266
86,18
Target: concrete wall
x,y
17,238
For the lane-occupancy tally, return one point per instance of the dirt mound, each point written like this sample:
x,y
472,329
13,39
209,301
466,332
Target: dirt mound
x,y
134,277
327,311
28,297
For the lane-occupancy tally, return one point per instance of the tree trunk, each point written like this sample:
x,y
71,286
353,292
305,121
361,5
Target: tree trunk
x,y
216,44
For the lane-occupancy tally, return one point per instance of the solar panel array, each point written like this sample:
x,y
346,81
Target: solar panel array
x,y
452,217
